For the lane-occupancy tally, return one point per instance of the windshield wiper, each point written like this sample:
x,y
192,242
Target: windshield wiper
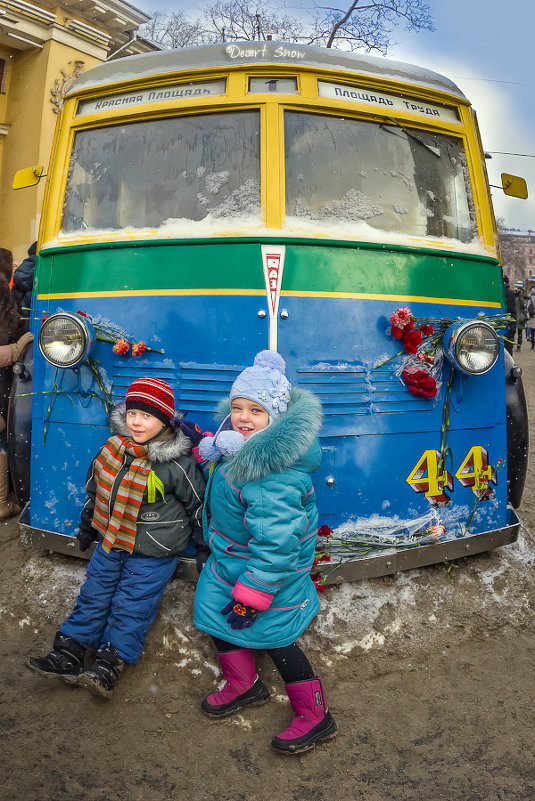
x,y
434,150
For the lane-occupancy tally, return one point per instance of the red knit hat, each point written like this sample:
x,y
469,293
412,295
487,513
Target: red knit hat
x,y
153,396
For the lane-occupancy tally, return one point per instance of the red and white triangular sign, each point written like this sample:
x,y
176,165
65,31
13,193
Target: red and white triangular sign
x,y
273,263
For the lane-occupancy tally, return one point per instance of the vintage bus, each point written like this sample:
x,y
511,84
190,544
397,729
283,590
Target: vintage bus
x,y
205,203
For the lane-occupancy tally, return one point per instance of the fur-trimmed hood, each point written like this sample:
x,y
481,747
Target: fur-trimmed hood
x,y
285,442
159,450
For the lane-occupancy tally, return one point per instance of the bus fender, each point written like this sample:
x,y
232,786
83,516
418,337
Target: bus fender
x,y
19,425
517,431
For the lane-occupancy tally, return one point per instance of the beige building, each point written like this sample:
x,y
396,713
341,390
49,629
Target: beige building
x,y
518,255
42,49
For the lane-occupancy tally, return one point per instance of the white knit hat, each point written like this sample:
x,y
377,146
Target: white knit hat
x,y
264,383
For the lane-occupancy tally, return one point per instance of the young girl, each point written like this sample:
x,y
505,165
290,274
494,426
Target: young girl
x,y
144,503
260,521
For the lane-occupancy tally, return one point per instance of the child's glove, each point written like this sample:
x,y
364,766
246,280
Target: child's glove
x,y
241,616
85,538
191,430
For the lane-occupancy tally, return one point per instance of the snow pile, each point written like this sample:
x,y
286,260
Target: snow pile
x,y
424,605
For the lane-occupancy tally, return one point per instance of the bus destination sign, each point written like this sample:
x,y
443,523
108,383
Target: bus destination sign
x,y
184,91
340,91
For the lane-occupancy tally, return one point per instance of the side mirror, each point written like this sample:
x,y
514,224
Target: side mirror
x,y
29,176
514,186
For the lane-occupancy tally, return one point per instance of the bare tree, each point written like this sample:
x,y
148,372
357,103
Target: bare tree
x,y
364,24
369,24
173,30
232,20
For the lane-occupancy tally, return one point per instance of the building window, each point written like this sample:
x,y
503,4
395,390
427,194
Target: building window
x,y
3,65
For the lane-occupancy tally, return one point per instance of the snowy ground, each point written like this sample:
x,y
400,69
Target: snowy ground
x,y
429,674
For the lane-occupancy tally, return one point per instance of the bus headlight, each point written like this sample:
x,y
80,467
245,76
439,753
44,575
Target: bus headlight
x,y
66,339
472,346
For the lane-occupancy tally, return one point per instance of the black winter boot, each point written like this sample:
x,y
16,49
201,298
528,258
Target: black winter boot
x,y
65,661
104,674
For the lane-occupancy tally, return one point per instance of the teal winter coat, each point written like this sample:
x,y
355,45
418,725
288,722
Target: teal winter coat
x,y
260,520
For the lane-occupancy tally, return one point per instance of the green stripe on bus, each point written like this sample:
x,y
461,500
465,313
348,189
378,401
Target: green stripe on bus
x,y
226,266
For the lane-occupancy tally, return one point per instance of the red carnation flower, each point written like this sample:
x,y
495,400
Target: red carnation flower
x,y
412,340
420,382
121,347
324,531
425,357
426,329
138,348
402,317
318,583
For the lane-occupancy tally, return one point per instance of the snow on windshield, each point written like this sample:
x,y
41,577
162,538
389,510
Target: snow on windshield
x,y
143,174
199,175
395,178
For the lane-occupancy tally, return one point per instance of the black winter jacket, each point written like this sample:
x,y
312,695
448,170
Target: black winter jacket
x,y
165,527
23,284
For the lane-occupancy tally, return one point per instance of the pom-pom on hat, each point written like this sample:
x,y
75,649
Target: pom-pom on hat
x,y
264,383
153,396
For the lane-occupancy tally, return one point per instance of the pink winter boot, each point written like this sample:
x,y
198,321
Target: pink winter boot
x,y
313,722
243,685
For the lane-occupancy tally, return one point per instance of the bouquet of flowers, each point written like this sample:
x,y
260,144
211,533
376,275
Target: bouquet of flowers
x,y
109,332
421,366
367,537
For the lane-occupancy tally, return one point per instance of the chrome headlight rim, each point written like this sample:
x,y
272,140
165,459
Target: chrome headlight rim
x,y
453,342
84,329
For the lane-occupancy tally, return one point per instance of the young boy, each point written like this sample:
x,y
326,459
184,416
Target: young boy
x,y
145,493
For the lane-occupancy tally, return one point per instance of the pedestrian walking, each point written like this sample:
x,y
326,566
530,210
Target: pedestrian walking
x,y
510,302
530,325
23,281
521,307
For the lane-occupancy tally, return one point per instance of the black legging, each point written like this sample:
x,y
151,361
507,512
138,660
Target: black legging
x,y
290,661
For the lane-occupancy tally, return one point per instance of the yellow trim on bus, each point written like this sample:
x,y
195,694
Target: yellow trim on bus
x,y
261,293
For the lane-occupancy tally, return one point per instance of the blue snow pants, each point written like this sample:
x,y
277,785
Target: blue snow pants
x,y
119,601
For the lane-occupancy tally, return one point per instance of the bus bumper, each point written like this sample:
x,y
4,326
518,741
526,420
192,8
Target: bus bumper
x,y
351,570
407,558
65,543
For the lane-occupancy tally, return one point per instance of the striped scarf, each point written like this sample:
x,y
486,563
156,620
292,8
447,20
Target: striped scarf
x,y
118,525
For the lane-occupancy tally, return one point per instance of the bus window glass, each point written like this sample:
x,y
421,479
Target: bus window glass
x,y
171,171
341,173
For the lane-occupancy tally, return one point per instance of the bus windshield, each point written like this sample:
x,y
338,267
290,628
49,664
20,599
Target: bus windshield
x,y
146,174
342,172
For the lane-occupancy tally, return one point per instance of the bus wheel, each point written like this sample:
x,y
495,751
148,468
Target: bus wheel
x,y
517,432
19,426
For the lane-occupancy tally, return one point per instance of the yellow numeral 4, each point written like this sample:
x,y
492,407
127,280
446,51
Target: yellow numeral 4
x,y
429,479
475,472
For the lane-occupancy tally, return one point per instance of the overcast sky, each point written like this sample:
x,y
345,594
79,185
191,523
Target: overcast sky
x,y
489,53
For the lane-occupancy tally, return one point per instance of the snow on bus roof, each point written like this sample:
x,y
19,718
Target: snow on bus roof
x,y
227,54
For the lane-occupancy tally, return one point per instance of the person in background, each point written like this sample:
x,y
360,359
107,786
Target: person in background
x,y
144,505
511,310
260,520
23,281
13,341
521,305
530,325
6,264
